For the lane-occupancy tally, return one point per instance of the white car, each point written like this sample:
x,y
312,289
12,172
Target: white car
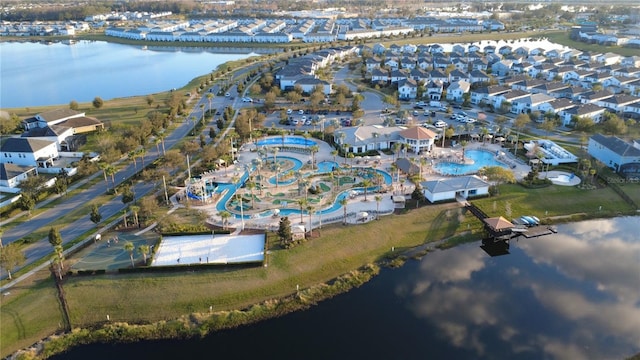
x,y
470,120
294,121
301,112
227,94
440,124
289,111
247,99
304,118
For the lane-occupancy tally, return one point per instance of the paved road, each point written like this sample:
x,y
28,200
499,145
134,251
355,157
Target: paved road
x,y
42,247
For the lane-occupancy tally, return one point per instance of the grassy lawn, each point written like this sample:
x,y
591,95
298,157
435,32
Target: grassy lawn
x,y
562,38
553,201
142,298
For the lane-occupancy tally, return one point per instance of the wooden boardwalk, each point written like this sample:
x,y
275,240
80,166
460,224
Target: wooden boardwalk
x,y
539,230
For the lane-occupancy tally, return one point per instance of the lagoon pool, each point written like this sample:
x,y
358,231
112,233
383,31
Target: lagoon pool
x,y
480,159
286,140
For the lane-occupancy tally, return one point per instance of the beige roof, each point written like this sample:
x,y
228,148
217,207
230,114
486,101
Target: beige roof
x,y
418,133
498,223
57,114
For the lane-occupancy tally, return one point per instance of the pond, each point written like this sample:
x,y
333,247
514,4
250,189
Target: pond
x,y
571,295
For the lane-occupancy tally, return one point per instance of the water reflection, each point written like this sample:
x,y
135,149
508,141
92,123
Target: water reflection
x,y
574,295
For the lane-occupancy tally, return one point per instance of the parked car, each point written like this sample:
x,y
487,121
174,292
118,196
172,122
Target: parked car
x,y
421,103
289,111
301,112
227,94
440,124
247,99
304,118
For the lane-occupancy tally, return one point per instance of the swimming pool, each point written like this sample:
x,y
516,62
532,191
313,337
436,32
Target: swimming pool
x,y
286,140
326,166
480,159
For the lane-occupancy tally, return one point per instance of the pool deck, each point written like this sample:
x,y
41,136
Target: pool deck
x,y
356,205
553,176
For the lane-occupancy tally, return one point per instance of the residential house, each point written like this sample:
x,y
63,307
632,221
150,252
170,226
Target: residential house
x,y
309,83
437,75
407,89
619,155
617,103
530,103
457,89
434,90
380,75
508,97
478,77
451,188
29,152
486,94
591,111
11,175
502,68
457,75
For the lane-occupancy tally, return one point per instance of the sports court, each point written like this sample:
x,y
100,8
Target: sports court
x,y
107,254
209,249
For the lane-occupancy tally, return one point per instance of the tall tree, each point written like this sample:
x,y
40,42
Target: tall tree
x,y
284,232
95,215
378,200
144,250
128,247
344,203
10,257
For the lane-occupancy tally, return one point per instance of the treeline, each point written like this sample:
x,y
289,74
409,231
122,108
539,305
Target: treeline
x,y
55,12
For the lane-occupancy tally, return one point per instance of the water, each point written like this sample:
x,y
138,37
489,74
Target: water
x,y
481,159
287,140
85,69
327,166
573,295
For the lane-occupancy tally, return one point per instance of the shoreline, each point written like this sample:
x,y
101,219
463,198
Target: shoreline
x,y
199,324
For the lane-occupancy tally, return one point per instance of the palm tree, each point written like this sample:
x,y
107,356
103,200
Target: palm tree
x,y
344,203
396,150
111,171
144,250
334,153
224,215
257,162
141,152
128,246
135,209
162,136
346,147
275,150
202,110
276,168
314,149
209,97
131,155
366,183
310,210
251,185
302,203
378,200
463,143
103,166
460,130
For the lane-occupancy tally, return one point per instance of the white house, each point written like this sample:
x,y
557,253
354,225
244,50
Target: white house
x,y
407,89
449,189
621,156
29,152
457,89
308,84
11,175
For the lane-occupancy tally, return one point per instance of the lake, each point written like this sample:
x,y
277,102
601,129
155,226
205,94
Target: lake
x,y
35,74
571,295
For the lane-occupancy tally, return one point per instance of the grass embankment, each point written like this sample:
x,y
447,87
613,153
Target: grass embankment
x,y
146,298
562,38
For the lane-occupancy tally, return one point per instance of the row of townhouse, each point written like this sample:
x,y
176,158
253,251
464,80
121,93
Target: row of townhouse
x,y
301,71
42,28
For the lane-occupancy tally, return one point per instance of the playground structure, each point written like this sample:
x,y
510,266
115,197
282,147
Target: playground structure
x,y
269,181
